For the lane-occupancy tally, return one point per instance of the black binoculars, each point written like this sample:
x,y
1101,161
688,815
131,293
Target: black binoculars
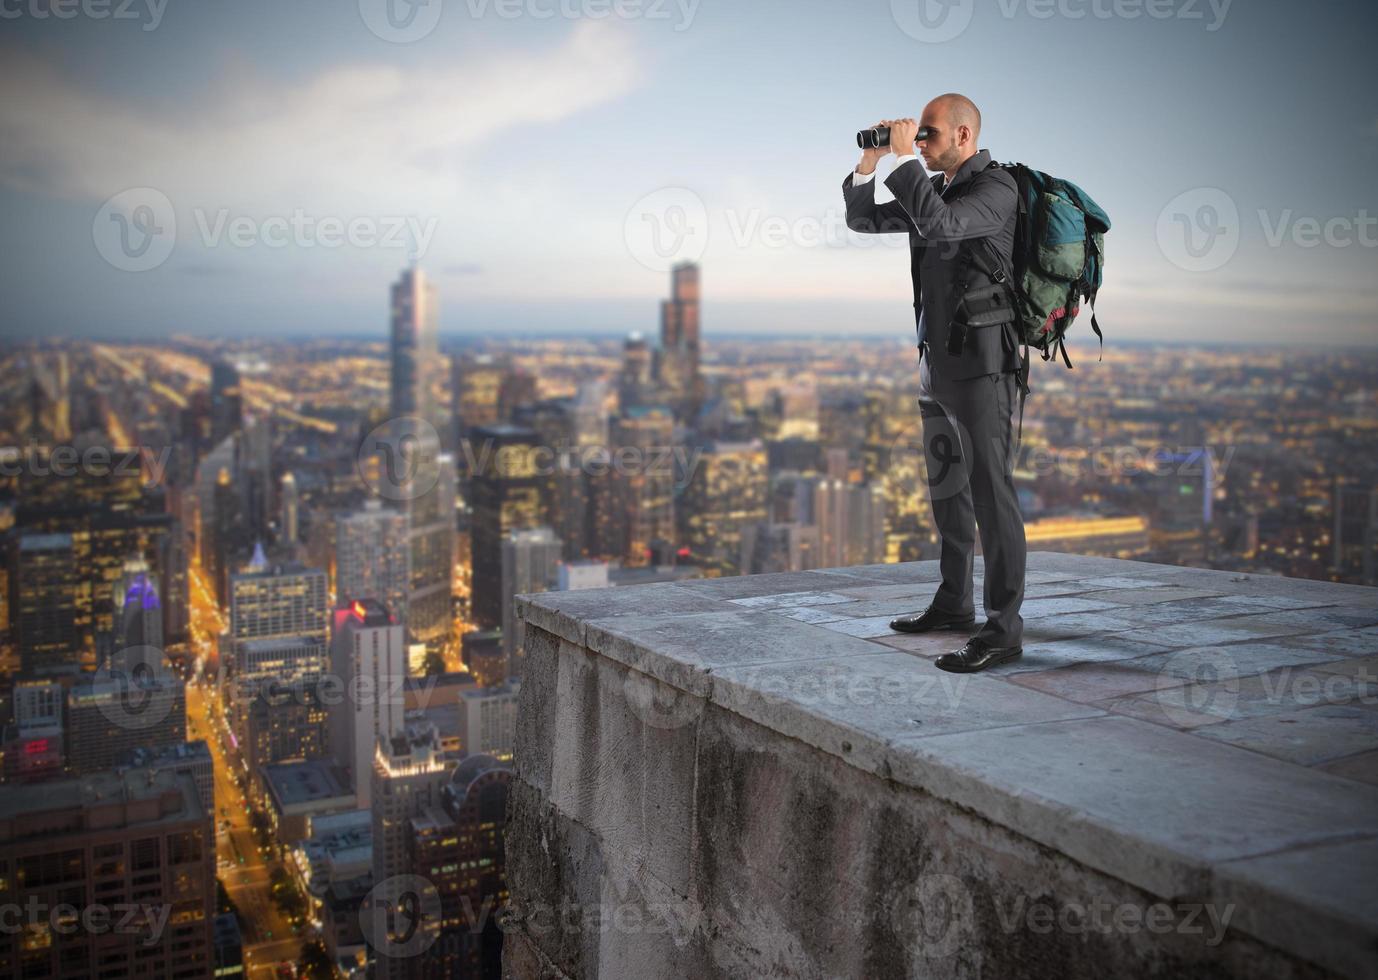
x,y
871,139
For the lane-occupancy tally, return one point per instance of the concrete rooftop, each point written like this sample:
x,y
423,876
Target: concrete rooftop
x,y
1188,732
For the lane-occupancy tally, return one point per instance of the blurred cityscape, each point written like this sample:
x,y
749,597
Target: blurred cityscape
x,y
257,627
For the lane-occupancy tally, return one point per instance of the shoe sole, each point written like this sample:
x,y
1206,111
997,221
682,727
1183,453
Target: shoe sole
x,y
1006,658
969,624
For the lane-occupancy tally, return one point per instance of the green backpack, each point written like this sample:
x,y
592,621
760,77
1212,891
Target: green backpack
x,y
1059,253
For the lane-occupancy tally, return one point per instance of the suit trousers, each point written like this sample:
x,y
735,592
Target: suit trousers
x,y
969,454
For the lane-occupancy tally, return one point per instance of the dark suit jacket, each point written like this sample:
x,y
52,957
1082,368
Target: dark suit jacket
x,y
987,208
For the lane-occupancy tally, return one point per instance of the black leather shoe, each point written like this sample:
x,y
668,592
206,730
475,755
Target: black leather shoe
x,y
931,619
977,655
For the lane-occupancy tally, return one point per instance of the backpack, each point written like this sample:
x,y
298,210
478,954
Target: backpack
x,y
1059,253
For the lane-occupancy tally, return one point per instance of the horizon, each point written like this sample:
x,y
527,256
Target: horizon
x,y
547,170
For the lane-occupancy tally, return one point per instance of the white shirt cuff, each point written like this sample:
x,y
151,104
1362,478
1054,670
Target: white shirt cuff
x,y
862,178
905,159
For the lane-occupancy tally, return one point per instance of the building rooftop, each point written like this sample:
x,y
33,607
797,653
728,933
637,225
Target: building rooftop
x,y
132,788
295,783
1169,734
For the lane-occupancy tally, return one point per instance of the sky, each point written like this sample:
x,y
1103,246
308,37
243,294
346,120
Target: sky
x,y
264,168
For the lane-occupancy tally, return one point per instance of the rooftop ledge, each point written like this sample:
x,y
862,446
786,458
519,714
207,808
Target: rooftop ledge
x,y
762,761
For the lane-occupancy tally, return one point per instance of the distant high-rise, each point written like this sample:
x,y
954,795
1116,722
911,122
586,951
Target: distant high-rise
x,y
431,546
680,347
373,558
110,714
227,402
138,615
368,656
410,773
778,547
458,848
530,559
289,510
46,626
850,517
645,490
1355,536
634,381
475,389
415,359
727,490
508,493
488,719
278,606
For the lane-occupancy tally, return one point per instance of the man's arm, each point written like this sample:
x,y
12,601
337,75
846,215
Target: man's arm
x,y
865,215
981,211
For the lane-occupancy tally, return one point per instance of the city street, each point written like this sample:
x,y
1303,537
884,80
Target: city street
x,y
268,938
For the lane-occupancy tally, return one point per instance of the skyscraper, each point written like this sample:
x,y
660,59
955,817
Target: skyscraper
x,y
458,848
413,346
475,389
138,616
227,402
679,340
289,510
410,773
509,492
634,382
278,606
727,491
644,491
431,547
373,558
45,615
1355,536
529,562
368,656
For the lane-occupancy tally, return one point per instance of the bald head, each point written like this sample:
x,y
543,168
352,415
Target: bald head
x,y
956,125
958,110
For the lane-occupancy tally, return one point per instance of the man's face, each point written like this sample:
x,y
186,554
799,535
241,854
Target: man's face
x,y
939,151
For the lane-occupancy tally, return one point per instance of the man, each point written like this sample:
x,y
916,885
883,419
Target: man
x,y
967,385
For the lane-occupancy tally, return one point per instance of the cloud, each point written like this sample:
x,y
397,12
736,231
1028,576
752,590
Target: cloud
x,y
357,138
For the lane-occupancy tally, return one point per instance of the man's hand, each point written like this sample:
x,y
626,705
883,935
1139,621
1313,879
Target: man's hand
x,y
903,132
869,156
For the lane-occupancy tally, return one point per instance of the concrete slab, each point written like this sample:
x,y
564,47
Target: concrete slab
x,y
565,613
1307,736
684,650
1321,900
1234,697
790,600
1101,648
1362,767
1342,643
856,705
1154,807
